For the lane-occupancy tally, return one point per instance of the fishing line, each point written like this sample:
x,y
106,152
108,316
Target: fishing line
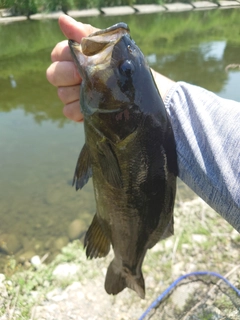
x,y
175,283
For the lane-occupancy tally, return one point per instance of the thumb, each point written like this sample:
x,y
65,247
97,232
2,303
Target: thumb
x,y
74,30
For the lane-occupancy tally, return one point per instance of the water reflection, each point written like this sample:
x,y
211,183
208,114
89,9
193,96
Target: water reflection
x,y
39,146
204,65
213,50
37,163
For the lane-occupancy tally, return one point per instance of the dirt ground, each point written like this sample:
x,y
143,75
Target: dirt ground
x,y
72,287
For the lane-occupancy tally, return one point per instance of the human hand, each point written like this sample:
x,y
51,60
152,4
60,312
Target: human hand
x,y
62,73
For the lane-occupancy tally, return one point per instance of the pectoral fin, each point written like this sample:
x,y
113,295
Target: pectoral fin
x,y
83,169
96,242
109,164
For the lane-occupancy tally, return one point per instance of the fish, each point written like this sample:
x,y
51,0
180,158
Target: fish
x,y
129,153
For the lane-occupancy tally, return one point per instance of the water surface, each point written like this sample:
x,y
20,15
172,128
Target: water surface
x,y
39,147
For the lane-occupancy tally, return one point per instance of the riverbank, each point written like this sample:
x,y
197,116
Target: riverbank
x,y
72,287
5,15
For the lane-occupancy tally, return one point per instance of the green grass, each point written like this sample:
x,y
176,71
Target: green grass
x,y
164,263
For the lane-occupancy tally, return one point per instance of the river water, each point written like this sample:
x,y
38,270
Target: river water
x,y
39,147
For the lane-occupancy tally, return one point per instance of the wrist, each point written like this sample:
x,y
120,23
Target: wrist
x,y
163,83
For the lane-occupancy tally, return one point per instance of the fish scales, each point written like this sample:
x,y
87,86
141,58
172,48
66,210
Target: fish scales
x,y
129,152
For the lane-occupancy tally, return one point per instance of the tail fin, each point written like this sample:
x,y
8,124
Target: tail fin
x,y
116,280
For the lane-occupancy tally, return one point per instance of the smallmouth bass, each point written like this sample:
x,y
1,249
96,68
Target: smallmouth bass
x,y
129,152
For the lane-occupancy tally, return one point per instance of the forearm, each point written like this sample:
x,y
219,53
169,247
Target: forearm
x,y
207,134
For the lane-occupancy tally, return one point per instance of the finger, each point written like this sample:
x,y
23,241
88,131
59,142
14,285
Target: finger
x,y
74,30
63,73
72,111
69,94
61,52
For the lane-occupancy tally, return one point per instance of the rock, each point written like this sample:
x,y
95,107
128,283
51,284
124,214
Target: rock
x,y
148,8
49,243
83,13
199,238
178,6
26,256
182,293
35,294
12,19
66,270
204,5
150,282
9,244
57,295
61,242
228,3
235,235
75,229
38,246
169,243
26,243
116,11
3,291
177,269
9,283
2,277
52,311
36,261
158,247
46,284
51,15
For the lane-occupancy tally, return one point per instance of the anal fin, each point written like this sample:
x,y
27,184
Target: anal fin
x,y
119,278
115,282
96,242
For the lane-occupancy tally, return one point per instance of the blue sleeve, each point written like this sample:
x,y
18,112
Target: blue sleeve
x,y
207,134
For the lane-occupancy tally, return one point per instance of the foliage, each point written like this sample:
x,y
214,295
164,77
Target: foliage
x,y
150,2
195,224
21,7
55,5
86,4
28,7
173,38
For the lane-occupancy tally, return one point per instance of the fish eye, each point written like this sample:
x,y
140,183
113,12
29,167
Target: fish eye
x,y
126,68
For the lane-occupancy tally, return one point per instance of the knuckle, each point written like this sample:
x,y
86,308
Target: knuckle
x,y
55,53
68,112
76,75
58,52
72,112
50,74
61,93
53,56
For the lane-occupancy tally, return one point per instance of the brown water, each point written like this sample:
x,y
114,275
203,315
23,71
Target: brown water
x,y
39,147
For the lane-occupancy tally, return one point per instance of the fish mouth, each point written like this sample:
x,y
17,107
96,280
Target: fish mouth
x,y
93,58
100,40
95,50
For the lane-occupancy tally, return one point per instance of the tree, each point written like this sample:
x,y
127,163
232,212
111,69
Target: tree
x,y
21,7
55,5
